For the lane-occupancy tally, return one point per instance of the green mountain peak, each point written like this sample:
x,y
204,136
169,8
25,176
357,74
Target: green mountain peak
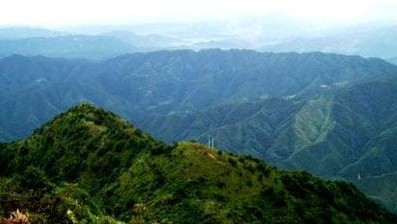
x,y
88,165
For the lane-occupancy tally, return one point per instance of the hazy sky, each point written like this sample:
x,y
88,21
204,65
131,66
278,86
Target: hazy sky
x,y
75,12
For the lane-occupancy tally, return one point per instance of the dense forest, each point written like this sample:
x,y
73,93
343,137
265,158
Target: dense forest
x,y
88,165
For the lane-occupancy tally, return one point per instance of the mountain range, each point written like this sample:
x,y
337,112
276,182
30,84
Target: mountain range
x,y
368,40
363,40
329,114
88,165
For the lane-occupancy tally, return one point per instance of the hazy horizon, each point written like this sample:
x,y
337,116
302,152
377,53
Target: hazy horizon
x,y
60,14
367,28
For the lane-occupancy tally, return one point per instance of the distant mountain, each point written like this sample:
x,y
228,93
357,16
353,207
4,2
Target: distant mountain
x,y
14,33
347,127
332,115
146,42
89,166
256,33
69,46
172,81
393,60
277,34
167,82
34,89
369,42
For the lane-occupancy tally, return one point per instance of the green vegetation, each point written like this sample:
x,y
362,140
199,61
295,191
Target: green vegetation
x,y
347,133
331,115
145,86
90,166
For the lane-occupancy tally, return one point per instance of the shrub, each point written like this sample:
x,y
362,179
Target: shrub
x,y
17,217
221,185
249,183
232,162
35,179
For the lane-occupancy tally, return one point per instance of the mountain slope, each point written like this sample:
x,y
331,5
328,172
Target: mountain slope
x,y
348,133
347,122
244,128
211,77
166,82
88,164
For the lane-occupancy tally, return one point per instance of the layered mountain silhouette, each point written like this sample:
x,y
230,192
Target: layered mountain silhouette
x,y
332,115
172,81
88,165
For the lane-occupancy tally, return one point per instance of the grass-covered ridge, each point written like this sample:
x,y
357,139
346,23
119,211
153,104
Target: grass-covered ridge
x,y
89,166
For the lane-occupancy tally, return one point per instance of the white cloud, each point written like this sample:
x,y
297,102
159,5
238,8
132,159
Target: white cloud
x,y
59,12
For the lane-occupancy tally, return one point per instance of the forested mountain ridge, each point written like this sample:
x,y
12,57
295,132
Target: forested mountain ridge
x,y
108,171
348,134
332,115
170,81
